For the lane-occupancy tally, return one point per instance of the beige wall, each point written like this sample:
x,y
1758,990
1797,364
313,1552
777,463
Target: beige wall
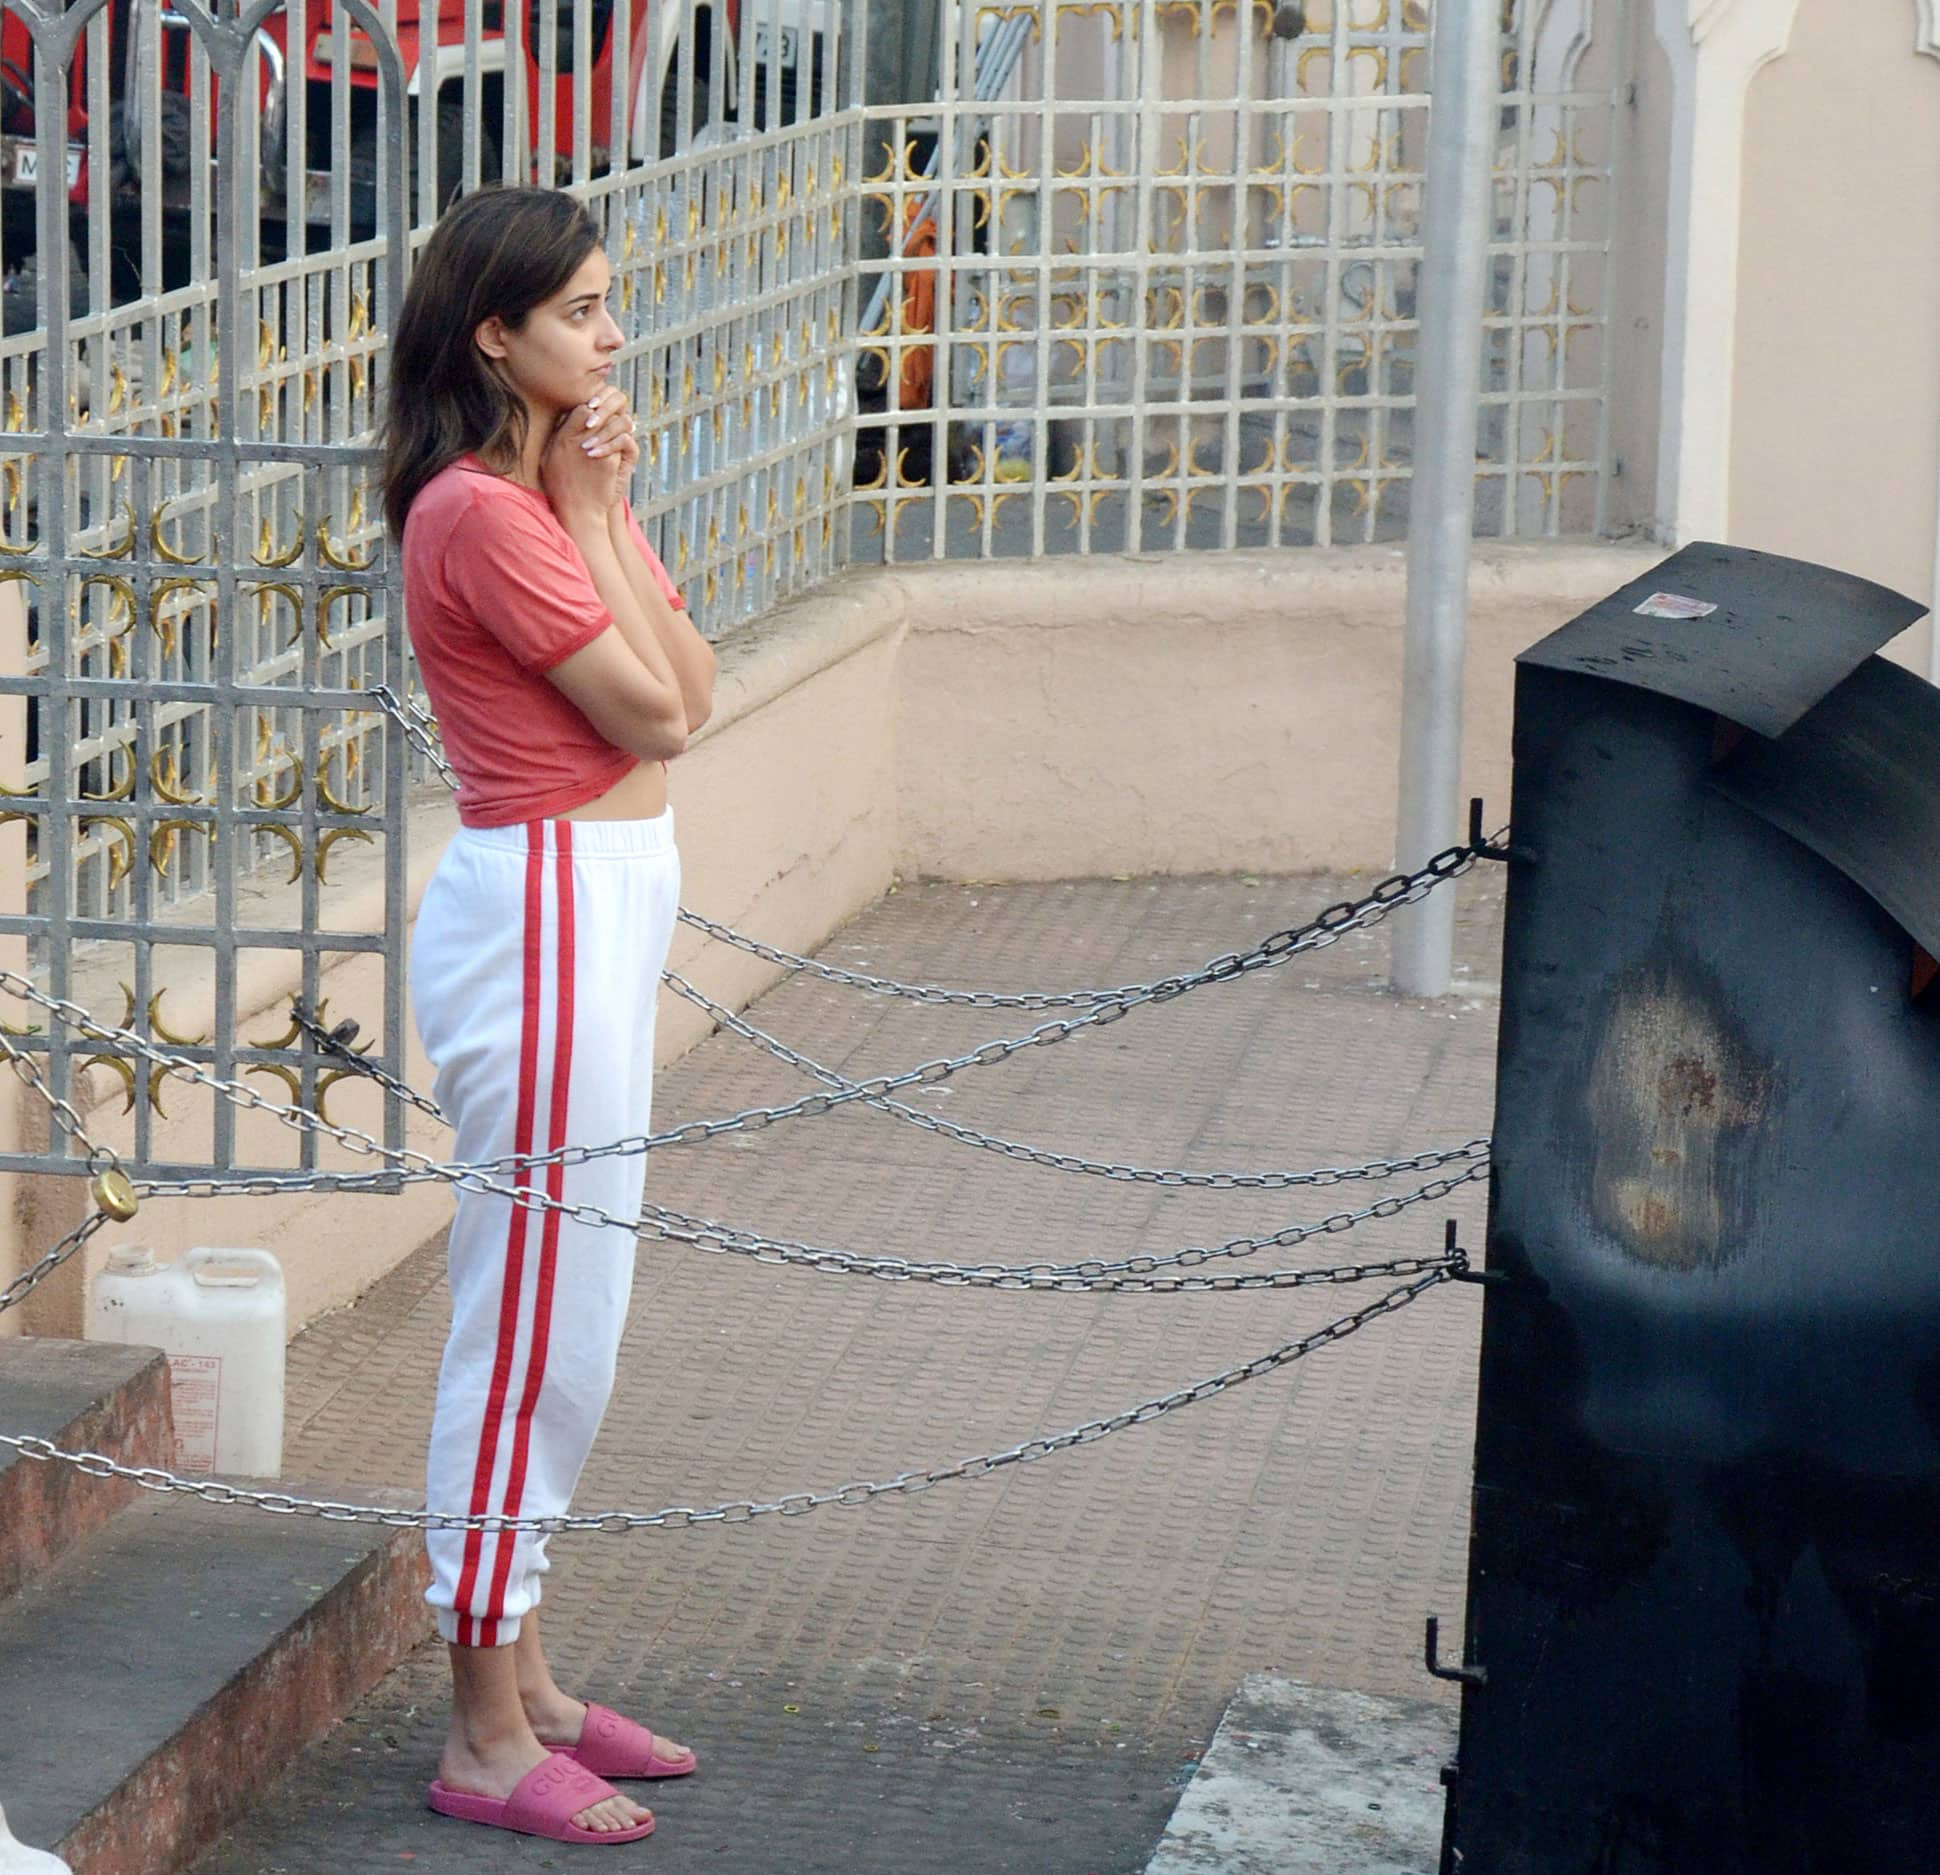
x,y
787,805
1835,445
1210,713
1231,712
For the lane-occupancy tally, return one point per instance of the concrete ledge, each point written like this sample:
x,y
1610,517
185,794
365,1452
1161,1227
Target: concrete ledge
x,y
162,1674
86,1396
1309,1780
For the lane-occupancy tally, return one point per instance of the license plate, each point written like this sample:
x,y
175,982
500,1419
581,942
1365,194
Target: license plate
x,y
26,166
764,43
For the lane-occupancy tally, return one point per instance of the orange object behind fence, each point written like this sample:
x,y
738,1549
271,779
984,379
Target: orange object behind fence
x,y
916,389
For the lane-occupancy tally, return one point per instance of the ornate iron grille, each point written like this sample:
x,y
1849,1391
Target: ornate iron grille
x,y
1172,247
213,212
211,810
737,266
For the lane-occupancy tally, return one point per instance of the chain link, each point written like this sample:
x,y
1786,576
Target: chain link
x,y
1129,1275
1327,928
31,1279
1330,927
1134,1274
411,1165
101,1161
336,1043
795,1504
420,729
414,1166
912,992
27,1071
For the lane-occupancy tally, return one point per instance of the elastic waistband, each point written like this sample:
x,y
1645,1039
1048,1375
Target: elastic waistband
x,y
584,839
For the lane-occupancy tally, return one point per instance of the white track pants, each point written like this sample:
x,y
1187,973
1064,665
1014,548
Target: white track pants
x,y
534,971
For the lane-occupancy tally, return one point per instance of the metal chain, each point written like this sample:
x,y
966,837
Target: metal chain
x,y
1328,928
795,1504
27,1070
31,1279
1333,924
913,992
1402,889
336,1042
702,1233
420,729
1169,1177
1130,1275
114,1194
1133,1275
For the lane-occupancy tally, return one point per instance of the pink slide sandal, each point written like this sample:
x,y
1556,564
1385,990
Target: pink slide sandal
x,y
543,1803
612,1746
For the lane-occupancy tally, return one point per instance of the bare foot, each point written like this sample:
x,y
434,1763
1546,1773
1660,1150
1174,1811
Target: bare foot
x,y
556,1720
494,1769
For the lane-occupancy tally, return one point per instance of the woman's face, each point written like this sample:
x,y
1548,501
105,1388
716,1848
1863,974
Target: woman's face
x,y
564,351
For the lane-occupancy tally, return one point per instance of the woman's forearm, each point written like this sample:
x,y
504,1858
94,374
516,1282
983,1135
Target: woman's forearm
x,y
688,654
615,586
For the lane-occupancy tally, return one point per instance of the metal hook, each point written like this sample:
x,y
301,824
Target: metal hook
x,y
1483,847
1431,1652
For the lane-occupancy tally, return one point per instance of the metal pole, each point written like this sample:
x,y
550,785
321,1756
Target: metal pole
x,y
1933,617
1464,90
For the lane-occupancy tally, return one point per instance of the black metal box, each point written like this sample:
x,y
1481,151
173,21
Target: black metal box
x,y
1704,1588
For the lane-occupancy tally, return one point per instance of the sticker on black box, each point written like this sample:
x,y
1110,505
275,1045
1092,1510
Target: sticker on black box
x,y
1674,605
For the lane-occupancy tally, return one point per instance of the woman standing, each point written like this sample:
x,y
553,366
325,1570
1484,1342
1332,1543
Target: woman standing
x,y
565,674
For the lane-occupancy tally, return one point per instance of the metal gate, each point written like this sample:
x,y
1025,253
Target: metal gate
x,y
211,808
206,211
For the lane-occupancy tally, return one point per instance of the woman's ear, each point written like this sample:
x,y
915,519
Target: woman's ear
x,y
489,337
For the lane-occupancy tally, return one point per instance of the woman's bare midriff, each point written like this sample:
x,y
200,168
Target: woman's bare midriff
x,y
639,794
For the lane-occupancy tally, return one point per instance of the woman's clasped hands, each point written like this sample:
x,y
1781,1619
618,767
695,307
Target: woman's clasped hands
x,y
590,460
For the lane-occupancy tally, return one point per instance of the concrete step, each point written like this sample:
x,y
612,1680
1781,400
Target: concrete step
x,y
86,1396
157,1676
1310,1780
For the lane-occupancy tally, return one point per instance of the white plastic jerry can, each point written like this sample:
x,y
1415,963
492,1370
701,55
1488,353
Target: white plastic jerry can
x,y
17,1859
219,1317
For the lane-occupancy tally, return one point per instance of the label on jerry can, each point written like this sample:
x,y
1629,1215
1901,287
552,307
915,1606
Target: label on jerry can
x,y
195,1390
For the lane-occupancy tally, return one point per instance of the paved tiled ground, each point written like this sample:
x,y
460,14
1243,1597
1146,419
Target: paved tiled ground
x,y
1016,1674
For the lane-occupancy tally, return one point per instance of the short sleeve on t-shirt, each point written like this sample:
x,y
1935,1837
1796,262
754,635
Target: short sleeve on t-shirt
x,y
519,574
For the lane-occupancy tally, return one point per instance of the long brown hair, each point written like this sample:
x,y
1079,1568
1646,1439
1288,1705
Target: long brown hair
x,y
498,252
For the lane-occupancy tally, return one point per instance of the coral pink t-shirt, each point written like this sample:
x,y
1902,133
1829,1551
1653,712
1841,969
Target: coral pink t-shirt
x,y
496,594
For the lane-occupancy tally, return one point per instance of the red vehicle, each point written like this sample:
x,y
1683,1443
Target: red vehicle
x,y
660,69
432,48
